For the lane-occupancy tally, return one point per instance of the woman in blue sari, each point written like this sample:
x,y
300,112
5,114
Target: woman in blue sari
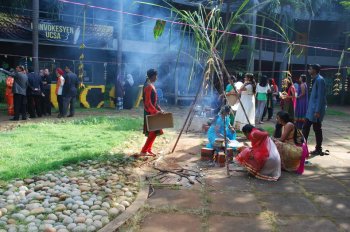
x,y
221,123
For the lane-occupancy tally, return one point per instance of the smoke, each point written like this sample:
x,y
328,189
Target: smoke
x,y
141,51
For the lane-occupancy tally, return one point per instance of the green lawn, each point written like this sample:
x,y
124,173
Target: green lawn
x,y
331,112
36,147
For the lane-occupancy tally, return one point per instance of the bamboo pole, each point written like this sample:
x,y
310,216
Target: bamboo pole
x,y
190,112
234,88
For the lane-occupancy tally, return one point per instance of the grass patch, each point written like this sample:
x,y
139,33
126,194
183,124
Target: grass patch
x,y
331,112
37,147
269,128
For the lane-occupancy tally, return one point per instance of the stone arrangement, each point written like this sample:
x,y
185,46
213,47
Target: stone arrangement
x,y
83,197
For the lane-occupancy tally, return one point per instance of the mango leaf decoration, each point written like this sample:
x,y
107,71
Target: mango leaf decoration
x,y
236,45
159,28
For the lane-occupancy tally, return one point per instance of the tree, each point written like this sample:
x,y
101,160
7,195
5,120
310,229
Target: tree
x,y
346,4
35,36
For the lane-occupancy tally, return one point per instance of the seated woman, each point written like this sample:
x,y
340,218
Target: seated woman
x,y
262,159
291,145
217,128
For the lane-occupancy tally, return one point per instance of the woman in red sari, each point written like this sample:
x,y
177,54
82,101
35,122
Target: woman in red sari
x,y
262,159
151,107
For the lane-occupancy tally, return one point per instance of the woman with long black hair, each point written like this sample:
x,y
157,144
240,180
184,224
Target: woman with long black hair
x,y
247,92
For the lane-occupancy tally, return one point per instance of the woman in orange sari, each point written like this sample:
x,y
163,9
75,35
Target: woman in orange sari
x,y
9,95
262,159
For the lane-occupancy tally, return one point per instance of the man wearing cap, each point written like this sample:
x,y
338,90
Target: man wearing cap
x,y
317,108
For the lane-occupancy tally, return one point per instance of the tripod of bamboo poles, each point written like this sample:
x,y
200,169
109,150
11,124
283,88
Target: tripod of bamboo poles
x,y
218,65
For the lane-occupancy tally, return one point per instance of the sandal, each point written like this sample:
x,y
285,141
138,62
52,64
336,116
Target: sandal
x,y
151,153
326,152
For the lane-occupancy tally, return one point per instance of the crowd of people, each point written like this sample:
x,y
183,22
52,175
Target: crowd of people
x,y
249,102
28,92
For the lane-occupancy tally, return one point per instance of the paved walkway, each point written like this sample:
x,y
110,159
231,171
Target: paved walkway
x,y
319,200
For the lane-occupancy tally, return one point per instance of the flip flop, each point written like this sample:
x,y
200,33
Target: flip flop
x,y
151,153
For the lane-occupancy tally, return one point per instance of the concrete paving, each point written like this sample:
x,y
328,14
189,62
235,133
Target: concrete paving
x,y
318,200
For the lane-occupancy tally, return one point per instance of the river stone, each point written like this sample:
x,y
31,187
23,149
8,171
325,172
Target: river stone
x,y
79,219
89,221
30,218
50,229
11,221
91,228
95,207
120,207
33,229
105,220
97,217
125,203
10,207
98,224
52,217
71,226
67,221
28,181
80,228
3,210
38,210
62,230
60,208
101,212
113,212
18,216
33,206
84,207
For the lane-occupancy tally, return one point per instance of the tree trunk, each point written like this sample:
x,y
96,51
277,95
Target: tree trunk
x,y
261,44
120,39
119,51
252,41
306,53
35,36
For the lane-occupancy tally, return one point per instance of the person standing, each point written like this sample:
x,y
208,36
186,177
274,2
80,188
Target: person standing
x,y
316,109
59,90
247,92
9,95
119,93
262,90
271,100
302,102
289,98
129,97
151,107
46,92
70,92
19,90
34,94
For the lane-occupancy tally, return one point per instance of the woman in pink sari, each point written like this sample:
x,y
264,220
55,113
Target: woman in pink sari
x,y
262,159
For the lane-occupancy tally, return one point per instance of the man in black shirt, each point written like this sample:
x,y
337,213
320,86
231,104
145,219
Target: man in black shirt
x,y
46,93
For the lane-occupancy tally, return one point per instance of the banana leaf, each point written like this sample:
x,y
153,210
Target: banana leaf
x,y
236,46
158,28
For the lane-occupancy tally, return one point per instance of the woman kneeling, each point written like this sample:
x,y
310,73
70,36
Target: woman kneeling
x,y
291,145
262,159
219,126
